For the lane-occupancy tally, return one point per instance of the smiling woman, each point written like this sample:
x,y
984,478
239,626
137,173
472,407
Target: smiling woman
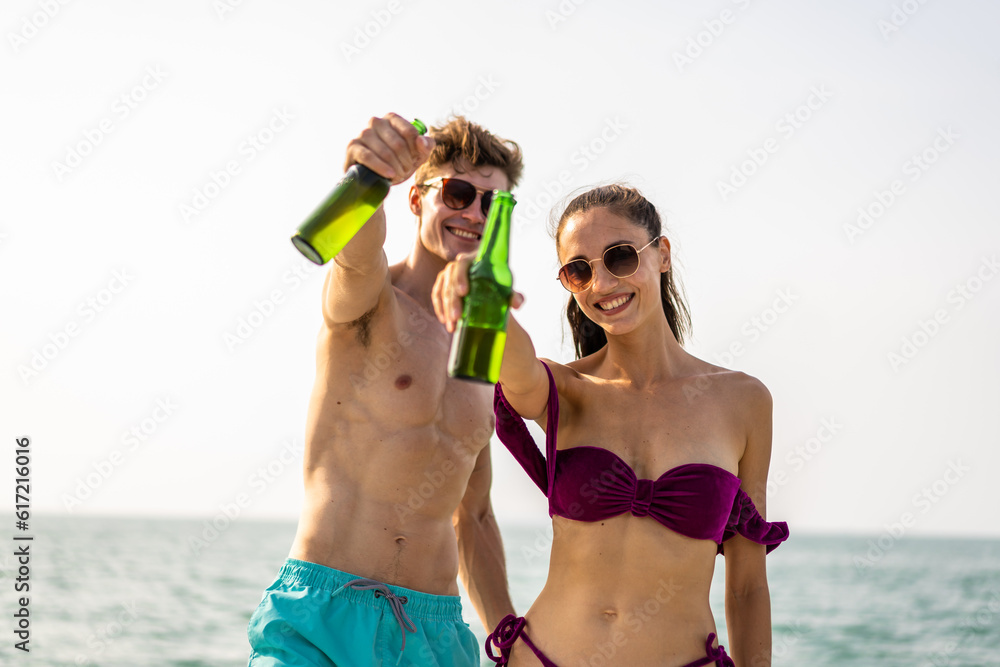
x,y
641,504
634,210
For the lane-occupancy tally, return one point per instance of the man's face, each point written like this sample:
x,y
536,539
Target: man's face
x,y
446,232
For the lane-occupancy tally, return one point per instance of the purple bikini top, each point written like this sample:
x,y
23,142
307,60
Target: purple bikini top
x,y
586,483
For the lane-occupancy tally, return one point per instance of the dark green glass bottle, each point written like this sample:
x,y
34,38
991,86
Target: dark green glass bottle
x,y
478,343
351,204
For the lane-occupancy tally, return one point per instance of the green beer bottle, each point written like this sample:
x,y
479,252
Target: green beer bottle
x,y
350,205
478,343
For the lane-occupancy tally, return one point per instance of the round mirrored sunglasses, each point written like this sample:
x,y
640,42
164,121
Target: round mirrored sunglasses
x,y
620,260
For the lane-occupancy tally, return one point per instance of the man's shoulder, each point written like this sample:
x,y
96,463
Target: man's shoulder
x,y
412,314
396,315
361,326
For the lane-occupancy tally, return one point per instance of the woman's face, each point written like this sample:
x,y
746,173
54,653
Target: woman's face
x,y
618,305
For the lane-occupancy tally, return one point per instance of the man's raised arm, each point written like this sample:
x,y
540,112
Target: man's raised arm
x,y
391,147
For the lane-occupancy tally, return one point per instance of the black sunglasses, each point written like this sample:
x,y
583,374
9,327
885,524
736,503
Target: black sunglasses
x,y
621,261
458,194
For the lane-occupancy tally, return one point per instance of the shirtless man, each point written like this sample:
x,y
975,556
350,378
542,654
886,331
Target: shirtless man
x,y
397,458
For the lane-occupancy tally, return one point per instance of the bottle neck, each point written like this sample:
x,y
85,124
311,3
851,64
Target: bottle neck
x,y
496,236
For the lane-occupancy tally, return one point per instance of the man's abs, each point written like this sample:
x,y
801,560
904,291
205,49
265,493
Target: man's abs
x,y
390,444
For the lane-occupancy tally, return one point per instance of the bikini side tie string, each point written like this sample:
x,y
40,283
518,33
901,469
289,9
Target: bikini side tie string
x,y
504,636
715,655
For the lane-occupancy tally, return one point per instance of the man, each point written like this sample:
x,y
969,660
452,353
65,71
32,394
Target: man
x,y
397,459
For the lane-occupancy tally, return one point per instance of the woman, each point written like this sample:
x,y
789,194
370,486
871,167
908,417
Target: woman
x,y
652,459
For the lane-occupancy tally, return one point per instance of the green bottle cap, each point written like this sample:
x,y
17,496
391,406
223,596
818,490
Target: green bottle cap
x,y
419,124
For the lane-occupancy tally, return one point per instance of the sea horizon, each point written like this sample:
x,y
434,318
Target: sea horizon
x,y
177,591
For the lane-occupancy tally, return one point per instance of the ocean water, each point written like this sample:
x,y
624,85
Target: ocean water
x,y
138,593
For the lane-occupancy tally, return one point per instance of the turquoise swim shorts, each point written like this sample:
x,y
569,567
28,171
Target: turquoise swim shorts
x,y
315,615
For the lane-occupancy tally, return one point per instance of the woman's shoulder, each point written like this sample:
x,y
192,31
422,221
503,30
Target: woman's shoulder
x,y
745,385
565,376
731,386
561,373
570,382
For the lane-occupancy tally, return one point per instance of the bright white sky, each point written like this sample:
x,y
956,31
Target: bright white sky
x,y
155,98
